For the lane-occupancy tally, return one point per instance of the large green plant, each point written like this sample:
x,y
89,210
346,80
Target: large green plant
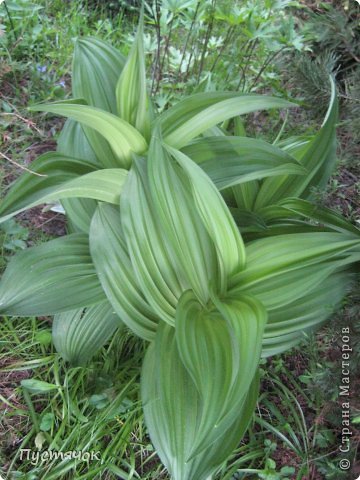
x,y
154,246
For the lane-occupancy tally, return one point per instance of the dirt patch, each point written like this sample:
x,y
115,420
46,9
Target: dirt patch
x,y
48,222
12,424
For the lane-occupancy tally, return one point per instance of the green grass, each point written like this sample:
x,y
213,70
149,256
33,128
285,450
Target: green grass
x,y
91,409
97,408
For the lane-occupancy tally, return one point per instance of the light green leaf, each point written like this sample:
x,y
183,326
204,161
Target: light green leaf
x,y
319,160
173,409
194,253
74,143
295,207
111,258
197,113
230,161
122,137
79,212
79,334
54,277
215,216
269,257
133,104
288,325
38,386
55,169
96,68
103,185
245,194
220,349
151,253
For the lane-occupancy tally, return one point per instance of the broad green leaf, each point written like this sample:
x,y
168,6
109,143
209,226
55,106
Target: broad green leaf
x,y
123,138
194,253
220,348
74,143
79,334
76,139
318,158
133,104
79,212
286,271
215,216
288,324
54,277
38,386
296,207
285,287
111,258
103,185
197,113
173,410
269,257
295,145
245,194
152,256
55,169
230,161
96,68
247,221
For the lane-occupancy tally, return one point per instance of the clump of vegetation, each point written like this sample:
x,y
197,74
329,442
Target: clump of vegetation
x,y
203,243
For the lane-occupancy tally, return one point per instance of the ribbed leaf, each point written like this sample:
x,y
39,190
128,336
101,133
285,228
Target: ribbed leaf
x,y
74,143
79,212
232,160
291,208
123,138
247,221
276,255
284,271
80,141
103,185
286,325
318,158
96,68
132,99
79,334
245,194
54,277
197,113
112,263
173,410
152,256
56,170
220,349
95,71
215,216
194,252
287,286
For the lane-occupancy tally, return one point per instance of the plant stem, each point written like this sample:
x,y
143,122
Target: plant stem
x,y
206,41
265,65
187,39
248,53
224,45
158,37
10,20
166,48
